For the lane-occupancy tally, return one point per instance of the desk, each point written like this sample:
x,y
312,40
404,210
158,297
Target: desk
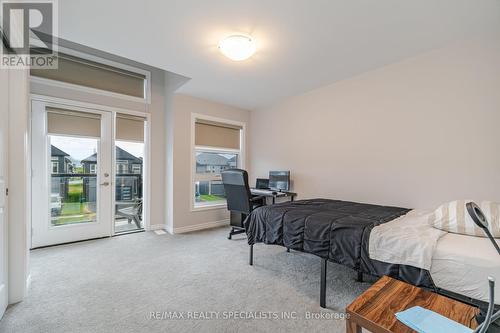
x,y
273,195
375,309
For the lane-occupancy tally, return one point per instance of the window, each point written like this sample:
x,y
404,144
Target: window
x,y
55,165
208,182
121,167
114,78
92,168
216,148
136,168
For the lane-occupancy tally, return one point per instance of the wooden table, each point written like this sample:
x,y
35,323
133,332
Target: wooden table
x,y
375,309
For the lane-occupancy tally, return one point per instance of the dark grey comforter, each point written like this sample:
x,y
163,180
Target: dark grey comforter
x,y
332,229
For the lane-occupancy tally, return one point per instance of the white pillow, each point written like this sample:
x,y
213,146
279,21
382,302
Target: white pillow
x,y
453,217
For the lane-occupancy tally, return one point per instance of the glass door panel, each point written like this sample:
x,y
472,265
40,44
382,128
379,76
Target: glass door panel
x,y
73,180
71,183
129,173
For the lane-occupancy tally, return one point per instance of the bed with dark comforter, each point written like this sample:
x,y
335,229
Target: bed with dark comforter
x,y
338,231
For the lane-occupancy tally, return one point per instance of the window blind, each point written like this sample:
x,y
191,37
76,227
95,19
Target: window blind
x,y
129,128
75,123
219,135
91,74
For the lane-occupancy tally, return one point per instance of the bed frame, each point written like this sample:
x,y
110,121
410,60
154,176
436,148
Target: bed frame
x,y
324,267
322,292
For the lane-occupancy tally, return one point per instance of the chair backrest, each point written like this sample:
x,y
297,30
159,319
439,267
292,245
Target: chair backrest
x,y
237,190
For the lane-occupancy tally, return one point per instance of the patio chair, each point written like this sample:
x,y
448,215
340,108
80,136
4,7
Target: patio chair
x,y
132,213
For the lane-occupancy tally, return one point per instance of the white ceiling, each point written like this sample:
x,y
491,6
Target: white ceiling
x,y
302,44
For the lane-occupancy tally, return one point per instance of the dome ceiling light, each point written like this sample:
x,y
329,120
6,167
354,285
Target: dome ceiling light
x,y
237,47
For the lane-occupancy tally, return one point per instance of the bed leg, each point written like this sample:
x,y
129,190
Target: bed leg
x,y
322,291
360,277
250,259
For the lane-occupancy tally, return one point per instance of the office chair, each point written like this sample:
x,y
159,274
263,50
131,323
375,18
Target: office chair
x,y
240,201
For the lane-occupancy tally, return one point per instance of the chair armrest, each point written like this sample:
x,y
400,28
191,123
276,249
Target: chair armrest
x,y
258,198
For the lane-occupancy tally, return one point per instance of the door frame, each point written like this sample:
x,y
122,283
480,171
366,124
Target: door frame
x,y
147,147
4,185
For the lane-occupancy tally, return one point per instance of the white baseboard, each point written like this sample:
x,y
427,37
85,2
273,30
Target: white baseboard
x,y
200,226
156,227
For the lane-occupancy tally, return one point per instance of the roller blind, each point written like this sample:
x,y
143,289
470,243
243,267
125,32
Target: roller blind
x,y
91,74
66,122
129,128
214,134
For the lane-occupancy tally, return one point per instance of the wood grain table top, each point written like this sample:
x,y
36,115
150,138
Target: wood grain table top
x,y
375,309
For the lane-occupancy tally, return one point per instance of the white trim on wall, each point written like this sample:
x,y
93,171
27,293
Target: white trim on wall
x,y
156,227
69,102
241,152
201,226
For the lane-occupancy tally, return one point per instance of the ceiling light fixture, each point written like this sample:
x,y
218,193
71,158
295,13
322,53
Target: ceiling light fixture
x,y
237,47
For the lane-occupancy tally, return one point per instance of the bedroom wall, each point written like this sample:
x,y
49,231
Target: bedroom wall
x,y
412,134
183,219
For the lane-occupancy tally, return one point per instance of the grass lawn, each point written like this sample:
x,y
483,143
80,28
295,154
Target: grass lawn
x,y
210,197
74,211
75,187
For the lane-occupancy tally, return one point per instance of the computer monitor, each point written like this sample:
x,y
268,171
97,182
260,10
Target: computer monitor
x,y
279,180
262,183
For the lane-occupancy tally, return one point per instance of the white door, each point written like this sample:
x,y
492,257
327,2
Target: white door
x,y
4,109
72,183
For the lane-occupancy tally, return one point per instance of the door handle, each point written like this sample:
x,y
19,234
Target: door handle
x,y
105,184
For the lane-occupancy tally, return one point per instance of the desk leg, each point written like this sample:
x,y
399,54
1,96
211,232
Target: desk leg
x,y
352,327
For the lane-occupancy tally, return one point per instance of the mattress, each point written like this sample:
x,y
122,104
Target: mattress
x,y
462,264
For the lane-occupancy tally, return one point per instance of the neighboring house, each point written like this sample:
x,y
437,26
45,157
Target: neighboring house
x,y
60,164
128,176
60,161
126,163
211,163
233,162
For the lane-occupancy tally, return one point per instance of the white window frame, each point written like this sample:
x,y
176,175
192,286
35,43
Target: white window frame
x,y
240,152
93,168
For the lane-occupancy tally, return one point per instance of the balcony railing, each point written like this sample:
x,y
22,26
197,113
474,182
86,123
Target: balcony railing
x,y
74,196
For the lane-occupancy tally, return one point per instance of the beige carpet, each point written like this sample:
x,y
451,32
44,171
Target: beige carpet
x,y
197,282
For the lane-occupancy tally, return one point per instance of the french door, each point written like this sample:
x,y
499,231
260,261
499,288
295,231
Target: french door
x,y
71,174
